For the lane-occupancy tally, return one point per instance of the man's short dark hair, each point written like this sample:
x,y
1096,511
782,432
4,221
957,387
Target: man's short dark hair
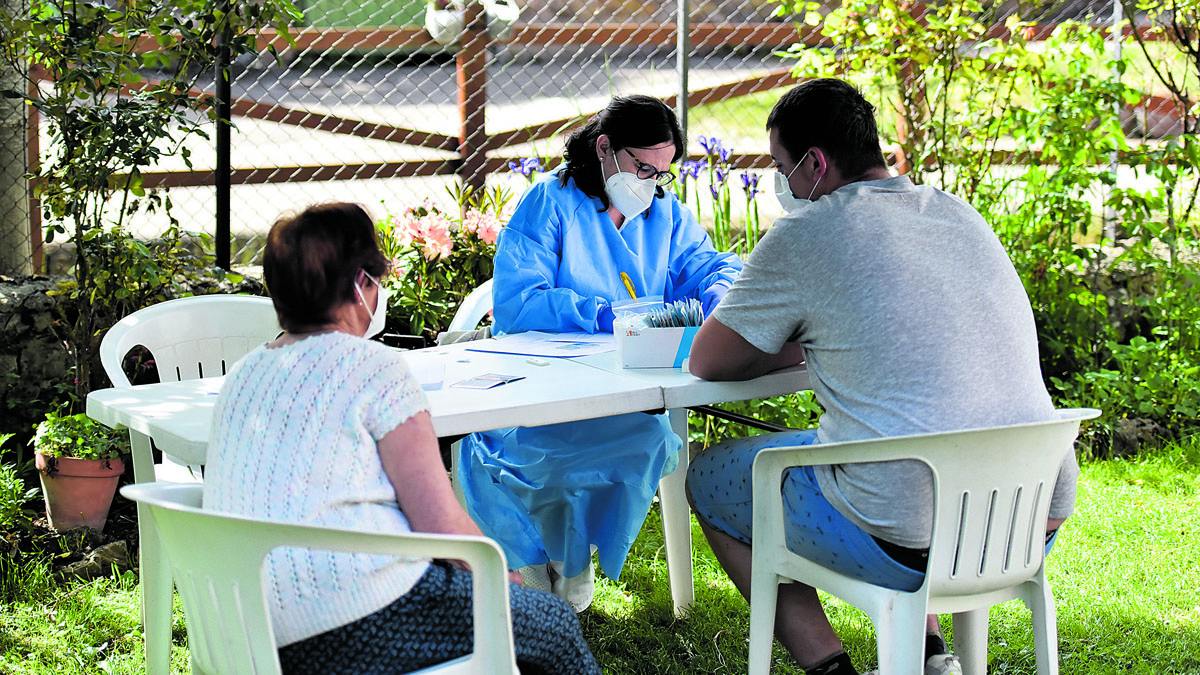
x,y
833,115
312,260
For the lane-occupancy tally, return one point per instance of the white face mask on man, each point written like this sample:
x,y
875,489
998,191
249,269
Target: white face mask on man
x,y
630,194
379,315
783,188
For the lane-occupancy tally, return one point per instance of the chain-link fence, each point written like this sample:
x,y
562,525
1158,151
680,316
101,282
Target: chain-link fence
x,y
387,117
366,106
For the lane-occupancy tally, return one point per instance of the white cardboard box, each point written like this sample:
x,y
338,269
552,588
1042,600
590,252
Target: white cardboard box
x,y
639,347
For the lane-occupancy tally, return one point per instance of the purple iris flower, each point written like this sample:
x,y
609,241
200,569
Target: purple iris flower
x,y
692,168
525,166
713,146
750,183
715,190
722,174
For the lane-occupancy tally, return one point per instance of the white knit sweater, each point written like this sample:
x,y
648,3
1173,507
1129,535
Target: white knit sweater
x,y
294,440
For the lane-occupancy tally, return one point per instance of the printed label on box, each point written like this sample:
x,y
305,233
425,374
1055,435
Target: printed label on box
x,y
654,347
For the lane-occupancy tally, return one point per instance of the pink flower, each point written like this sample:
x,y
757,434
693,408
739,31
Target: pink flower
x,y
484,225
432,236
406,228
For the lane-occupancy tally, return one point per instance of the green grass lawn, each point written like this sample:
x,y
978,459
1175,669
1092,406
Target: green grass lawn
x,y
1126,576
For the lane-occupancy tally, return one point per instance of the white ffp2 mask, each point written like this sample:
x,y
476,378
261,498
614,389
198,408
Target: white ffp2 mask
x,y
783,189
379,316
630,194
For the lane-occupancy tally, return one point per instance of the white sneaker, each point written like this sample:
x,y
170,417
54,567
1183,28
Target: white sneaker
x,y
938,664
577,590
943,664
537,577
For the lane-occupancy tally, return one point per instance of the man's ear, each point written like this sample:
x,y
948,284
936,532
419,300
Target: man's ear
x,y
820,165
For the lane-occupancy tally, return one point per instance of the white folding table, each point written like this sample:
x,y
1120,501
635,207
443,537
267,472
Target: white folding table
x,y
177,417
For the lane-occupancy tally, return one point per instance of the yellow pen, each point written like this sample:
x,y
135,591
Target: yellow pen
x,y
628,285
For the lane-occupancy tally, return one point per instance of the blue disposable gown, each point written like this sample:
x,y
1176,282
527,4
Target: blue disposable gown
x,y
551,492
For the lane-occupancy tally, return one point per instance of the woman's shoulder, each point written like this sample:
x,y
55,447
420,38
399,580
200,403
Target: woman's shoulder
x,y
332,351
553,199
558,188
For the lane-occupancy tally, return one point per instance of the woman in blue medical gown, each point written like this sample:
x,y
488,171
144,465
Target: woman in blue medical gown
x,y
551,495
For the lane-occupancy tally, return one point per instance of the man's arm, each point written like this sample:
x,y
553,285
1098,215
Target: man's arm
x,y
720,353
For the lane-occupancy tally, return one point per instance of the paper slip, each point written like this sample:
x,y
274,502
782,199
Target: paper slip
x,y
554,345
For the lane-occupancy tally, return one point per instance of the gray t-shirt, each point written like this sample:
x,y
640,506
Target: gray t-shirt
x,y
913,320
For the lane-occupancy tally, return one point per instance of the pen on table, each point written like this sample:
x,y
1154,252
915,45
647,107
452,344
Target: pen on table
x,y
628,285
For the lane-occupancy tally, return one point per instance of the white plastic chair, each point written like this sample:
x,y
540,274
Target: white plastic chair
x,y
189,338
217,563
992,490
672,499
473,308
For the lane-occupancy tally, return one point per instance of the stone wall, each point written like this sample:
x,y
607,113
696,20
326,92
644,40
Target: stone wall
x,y
35,366
34,362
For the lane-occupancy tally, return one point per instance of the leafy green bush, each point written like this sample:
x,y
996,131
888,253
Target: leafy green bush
x,y
797,411
13,498
13,495
107,123
1027,133
79,436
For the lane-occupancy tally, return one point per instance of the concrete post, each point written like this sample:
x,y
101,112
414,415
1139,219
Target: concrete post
x,y
16,253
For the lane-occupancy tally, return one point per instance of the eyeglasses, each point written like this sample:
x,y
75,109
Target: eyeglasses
x,y
647,172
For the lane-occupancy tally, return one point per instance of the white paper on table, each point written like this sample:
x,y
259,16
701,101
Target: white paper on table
x,y
553,345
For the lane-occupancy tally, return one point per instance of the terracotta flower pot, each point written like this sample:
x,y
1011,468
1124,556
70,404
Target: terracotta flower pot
x,y
78,491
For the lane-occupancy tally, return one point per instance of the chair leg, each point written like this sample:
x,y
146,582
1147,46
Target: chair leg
x,y
900,635
677,521
155,573
970,640
1040,600
764,597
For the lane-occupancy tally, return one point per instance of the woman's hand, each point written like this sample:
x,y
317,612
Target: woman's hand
x,y
513,575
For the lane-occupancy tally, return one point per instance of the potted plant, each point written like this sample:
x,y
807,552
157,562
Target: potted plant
x,y
79,463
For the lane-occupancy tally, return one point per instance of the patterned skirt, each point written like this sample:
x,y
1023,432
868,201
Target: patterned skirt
x,y
432,623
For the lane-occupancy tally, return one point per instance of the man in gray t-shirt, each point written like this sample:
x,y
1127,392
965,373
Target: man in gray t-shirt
x,y
911,319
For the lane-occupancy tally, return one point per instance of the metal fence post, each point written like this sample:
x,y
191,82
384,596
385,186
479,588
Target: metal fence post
x,y
471,67
683,27
224,167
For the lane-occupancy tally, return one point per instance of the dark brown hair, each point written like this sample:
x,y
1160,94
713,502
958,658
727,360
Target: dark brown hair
x,y
312,259
636,121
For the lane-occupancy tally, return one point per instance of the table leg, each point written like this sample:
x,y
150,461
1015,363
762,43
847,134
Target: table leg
x,y
677,521
157,589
